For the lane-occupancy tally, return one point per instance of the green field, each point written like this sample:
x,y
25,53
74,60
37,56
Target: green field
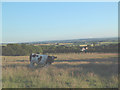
x,y
108,43
72,70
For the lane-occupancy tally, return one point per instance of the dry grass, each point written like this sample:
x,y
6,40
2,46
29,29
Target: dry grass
x,y
69,70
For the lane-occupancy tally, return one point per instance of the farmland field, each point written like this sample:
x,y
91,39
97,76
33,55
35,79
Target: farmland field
x,y
72,70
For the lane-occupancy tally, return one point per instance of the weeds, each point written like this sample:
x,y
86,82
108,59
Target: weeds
x,y
72,74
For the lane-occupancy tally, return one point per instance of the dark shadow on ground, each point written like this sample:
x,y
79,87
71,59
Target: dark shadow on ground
x,y
15,65
103,70
22,61
115,59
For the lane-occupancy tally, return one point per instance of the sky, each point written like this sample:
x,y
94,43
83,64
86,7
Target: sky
x,y
42,21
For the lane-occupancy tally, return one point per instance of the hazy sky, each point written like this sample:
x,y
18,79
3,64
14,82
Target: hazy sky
x,y
22,22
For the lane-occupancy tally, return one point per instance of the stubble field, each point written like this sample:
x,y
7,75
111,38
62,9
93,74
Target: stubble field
x,y
73,70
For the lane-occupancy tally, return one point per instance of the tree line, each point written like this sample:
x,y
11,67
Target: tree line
x,y
23,49
19,50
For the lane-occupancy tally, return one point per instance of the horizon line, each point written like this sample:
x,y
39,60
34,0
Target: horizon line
x,y
58,40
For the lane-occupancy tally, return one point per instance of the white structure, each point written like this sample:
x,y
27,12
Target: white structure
x,y
84,49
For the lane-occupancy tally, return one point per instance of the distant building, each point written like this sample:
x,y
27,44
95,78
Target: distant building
x,y
56,43
84,49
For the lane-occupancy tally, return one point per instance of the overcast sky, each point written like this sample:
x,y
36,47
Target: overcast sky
x,y
41,21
